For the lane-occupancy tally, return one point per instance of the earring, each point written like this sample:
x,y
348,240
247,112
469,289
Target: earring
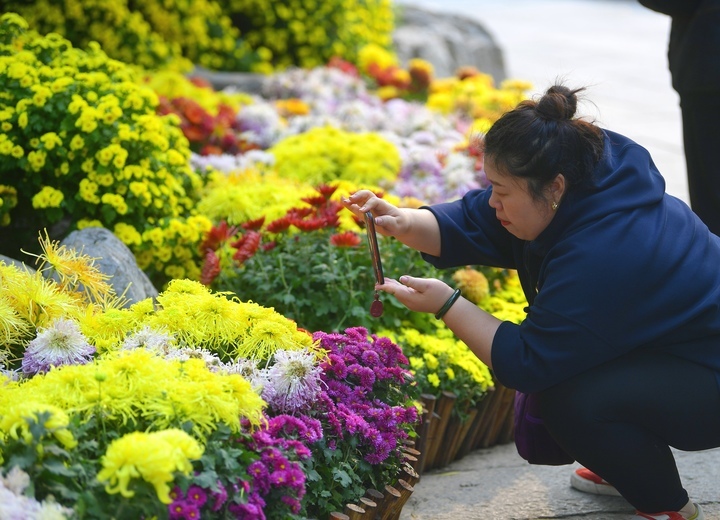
x,y
554,205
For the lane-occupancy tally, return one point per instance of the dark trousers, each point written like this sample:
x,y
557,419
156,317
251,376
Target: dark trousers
x,y
620,419
701,136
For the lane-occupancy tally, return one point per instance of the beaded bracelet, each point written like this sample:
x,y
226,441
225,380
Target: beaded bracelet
x,y
449,303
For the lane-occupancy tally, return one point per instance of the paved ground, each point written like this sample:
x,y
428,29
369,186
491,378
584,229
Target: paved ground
x,y
496,484
617,49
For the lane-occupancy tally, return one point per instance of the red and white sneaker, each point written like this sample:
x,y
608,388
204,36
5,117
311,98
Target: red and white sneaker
x,y
670,515
586,481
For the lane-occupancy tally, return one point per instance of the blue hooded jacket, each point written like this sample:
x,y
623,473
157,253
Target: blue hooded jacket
x,y
620,267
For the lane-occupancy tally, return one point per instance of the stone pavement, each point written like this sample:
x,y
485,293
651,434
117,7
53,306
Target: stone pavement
x,y
617,49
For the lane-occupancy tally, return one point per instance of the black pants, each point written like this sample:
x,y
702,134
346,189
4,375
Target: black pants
x,y
619,420
701,137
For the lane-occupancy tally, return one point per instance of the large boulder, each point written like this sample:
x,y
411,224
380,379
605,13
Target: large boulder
x,y
448,41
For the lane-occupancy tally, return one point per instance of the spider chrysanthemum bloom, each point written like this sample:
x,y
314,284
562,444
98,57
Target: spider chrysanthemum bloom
x,y
36,299
12,327
60,344
293,381
74,270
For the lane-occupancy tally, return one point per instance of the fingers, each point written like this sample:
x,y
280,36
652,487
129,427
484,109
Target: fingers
x,y
390,286
418,284
360,201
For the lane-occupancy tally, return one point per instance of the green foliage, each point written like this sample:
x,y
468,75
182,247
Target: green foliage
x,y
325,287
334,477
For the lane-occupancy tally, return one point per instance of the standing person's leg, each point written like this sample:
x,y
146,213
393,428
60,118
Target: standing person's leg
x,y
620,419
701,137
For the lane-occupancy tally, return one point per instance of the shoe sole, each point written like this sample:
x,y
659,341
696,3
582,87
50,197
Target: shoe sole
x,y
588,486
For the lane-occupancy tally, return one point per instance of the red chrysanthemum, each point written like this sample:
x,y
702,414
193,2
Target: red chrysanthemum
x,y
326,190
217,236
210,268
279,225
346,239
316,201
247,246
254,225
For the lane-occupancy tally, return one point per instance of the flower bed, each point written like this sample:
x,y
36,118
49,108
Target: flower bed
x,y
256,385
192,405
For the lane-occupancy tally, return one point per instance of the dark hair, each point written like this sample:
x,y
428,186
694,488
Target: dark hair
x,y
539,139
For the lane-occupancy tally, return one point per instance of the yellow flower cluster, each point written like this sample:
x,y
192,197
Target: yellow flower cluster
x,y
231,328
325,154
477,97
86,128
440,362
154,34
507,302
248,195
153,457
28,301
308,33
137,389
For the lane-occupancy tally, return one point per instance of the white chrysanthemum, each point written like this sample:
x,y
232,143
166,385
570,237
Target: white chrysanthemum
x,y
293,381
150,339
226,163
211,360
15,506
248,369
60,344
16,480
163,344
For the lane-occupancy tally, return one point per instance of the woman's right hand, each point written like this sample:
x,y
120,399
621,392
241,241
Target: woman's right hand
x,y
389,220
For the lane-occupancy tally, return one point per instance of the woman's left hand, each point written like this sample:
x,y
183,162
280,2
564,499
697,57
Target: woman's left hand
x,y
418,294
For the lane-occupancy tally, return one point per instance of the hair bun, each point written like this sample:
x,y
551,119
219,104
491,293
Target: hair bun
x,y
558,104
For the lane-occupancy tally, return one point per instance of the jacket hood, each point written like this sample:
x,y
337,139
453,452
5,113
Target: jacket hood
x,y
626,178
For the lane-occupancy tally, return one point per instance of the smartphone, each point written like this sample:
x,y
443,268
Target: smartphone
x,y
374,251
376,308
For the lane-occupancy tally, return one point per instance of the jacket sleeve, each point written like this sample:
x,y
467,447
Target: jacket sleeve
x,y
471,234
672,7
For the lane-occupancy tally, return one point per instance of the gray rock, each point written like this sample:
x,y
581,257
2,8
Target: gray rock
x,y
114,259
237,81
447,41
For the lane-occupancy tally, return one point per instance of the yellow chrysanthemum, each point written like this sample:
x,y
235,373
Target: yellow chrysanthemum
x,y
16,420
74,270
154,457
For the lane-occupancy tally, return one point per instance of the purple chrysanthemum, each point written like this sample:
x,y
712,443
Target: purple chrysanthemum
x,y
60,344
